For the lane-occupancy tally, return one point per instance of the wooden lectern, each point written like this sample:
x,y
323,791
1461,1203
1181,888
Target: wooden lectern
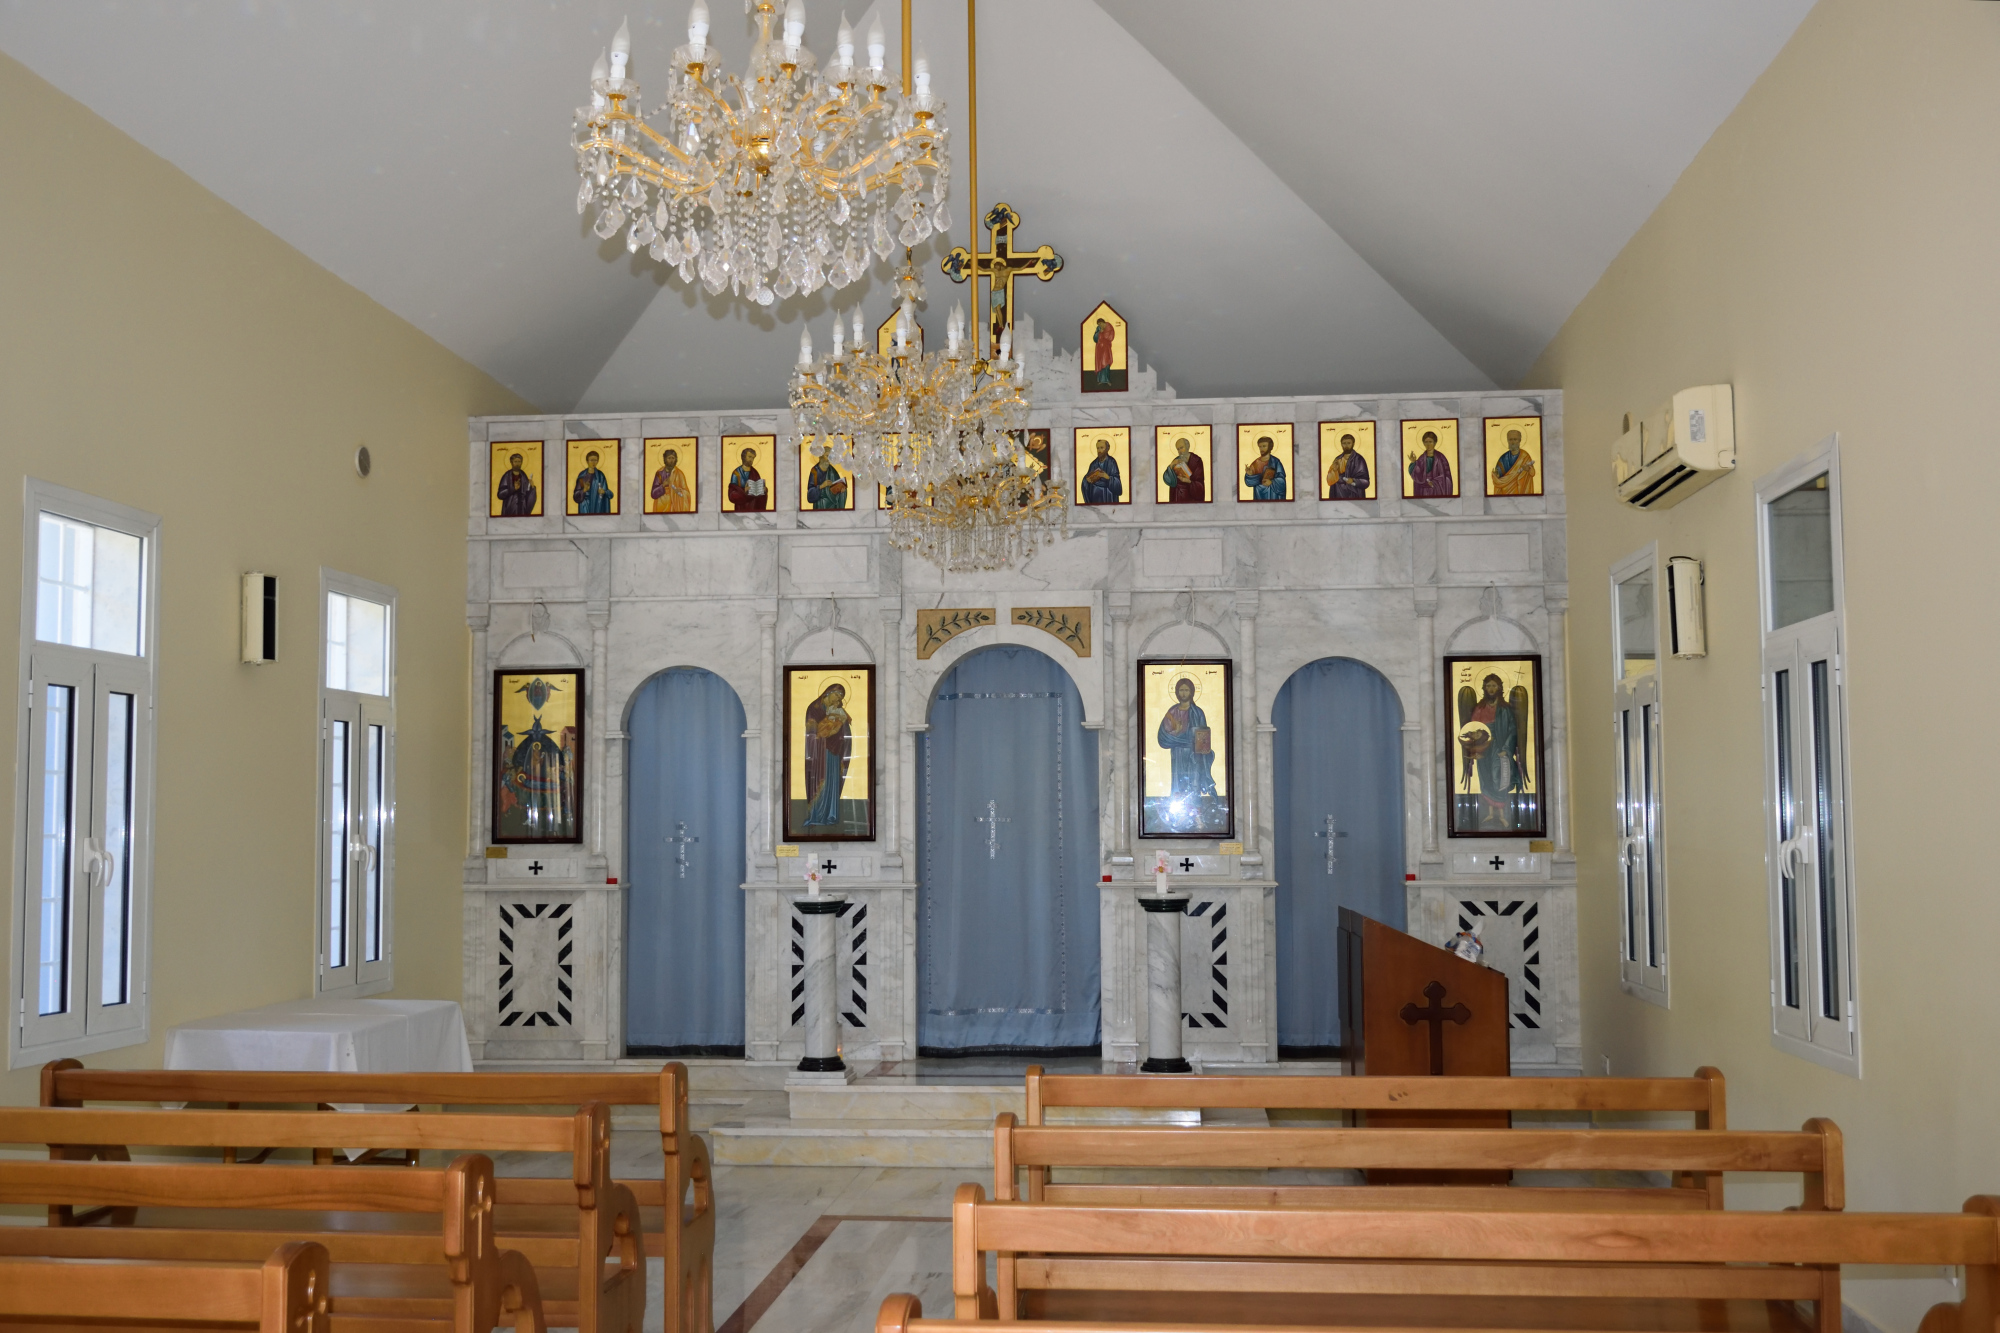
x,y
1407,1007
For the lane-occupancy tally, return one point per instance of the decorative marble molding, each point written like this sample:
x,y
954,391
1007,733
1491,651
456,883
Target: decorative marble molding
x,y
1071,624
940,625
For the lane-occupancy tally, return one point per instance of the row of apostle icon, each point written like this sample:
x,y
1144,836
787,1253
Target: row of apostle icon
x,y
669,477
1267,462
1349,467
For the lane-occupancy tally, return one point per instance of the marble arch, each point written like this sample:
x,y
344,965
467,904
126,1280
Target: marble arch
x,y
1276,584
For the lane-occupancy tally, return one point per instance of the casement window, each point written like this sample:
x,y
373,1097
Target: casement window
x,y
84,810
356,785
1808,857
1635,723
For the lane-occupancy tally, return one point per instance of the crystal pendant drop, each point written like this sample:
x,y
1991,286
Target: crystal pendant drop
x,y
686,270
633,196
786,288
609,221
583,194
880,238
840,209
909,235
658,252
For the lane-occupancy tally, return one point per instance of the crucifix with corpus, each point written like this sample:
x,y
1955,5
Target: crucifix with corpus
x,y
1000,265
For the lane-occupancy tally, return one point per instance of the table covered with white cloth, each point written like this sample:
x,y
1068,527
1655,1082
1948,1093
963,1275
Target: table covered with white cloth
x,y
331,1036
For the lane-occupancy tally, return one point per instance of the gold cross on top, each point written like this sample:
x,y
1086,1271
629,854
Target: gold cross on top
x,y
999,265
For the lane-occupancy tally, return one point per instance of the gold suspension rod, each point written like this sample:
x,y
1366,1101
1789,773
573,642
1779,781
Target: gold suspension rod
x,y
972,133
906,48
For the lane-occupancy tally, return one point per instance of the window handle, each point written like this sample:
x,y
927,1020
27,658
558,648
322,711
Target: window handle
x,y
1794,855
95,873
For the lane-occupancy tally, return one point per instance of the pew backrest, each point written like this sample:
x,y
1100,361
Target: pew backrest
x,y
1704,1256
1814,1152
1704,1096
490,1284
286,1293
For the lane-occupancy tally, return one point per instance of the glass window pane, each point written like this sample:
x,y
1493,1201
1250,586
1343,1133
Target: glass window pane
x,y
1625,831
336,641
337,857
1825,853
367,647
57,831
115,593
114,971
1649,811
1637,617
1788,889
1801,540
373,816
87,586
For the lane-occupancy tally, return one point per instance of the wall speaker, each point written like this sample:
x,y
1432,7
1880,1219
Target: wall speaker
x,y
260,618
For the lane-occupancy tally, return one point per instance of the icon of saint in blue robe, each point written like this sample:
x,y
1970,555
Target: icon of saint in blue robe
x,y
593,492
1102,482
1183,733
1265,476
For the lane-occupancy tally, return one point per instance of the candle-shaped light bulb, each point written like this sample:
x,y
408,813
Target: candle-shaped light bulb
x,y
878,44
698,25
1007,345
621,49
920,70
805,347
838,349
857,328
843,43
903,327
599,69
795,23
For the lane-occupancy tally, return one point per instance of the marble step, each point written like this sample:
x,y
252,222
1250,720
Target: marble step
x,y
890,1100
781,1141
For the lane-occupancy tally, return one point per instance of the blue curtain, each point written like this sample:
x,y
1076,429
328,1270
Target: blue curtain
x,y
1338,753
684,860
1007,860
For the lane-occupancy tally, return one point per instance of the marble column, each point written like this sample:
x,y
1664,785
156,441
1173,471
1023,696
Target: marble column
x,y
822,1062
1164,914
1556,658
764,761
1250,793
1433,750
891,658
1118,789
603,795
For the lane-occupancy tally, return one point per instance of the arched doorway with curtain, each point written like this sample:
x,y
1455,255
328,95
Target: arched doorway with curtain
x,y
1007,914
1337,773
684,862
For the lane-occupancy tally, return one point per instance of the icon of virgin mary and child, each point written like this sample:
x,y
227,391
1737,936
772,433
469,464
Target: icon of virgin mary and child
x,y
1192,803
829,747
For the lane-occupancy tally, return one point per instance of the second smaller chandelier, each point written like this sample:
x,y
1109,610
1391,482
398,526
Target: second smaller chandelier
x,y
775,183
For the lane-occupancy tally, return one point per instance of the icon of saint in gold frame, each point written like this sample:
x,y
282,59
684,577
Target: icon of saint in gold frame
x,y
673,479
515,490
829,755
1187,772
1513,456
1183,465
1347,460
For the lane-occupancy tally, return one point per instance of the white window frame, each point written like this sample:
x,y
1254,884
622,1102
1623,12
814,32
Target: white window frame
x,y
92,1026
1640,766
1802,1029
356,975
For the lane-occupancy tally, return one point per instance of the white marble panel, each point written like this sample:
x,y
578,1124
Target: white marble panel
x,y
527,570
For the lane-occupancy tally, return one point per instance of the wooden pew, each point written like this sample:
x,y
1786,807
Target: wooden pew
x,y
688,1249
1703,1097
1814,1152
473,1283
284,1294
568,1251
1315,1267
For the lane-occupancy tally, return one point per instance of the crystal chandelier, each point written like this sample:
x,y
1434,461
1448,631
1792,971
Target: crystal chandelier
x,y
941,433
770,184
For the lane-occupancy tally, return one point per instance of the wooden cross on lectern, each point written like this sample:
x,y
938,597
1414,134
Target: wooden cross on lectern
x,y
1437,1016
1000,266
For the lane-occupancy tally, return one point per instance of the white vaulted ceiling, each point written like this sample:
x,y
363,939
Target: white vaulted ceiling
x,y
1283,196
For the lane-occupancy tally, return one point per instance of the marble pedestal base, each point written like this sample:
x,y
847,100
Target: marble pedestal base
x,y
1164,914
822,992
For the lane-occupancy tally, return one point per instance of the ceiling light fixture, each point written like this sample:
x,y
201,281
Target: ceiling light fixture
x,y
942,434
774,183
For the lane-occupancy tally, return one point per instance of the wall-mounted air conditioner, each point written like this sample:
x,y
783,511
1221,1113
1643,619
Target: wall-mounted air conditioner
x,y
1678,450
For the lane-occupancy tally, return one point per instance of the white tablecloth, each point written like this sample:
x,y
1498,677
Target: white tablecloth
x,y
335,1036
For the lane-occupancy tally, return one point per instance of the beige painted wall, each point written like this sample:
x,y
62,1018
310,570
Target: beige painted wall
x,y
160,349
1832,252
